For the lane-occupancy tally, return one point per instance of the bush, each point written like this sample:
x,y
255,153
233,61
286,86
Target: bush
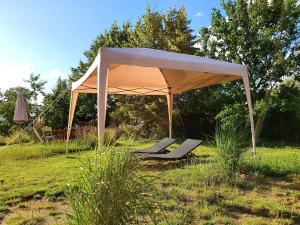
x,y
110,136
112,191
89,142
129,131
231,142
2,140
17,136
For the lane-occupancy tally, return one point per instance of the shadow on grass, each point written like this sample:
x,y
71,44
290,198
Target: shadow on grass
x,y
163,165
278,145
288,186
232,209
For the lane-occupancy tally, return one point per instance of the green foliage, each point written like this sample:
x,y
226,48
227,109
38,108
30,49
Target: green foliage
x,y
7,107
37,87
116,36
111,136
148,113
89,142
196,108
159,30
2,140
232,113
56,103
112,191
8,101
17,137
260,34
231,142
169,31
264,35
283,119
187,193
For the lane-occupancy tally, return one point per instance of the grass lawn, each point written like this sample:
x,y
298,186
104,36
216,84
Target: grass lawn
x,y
33,181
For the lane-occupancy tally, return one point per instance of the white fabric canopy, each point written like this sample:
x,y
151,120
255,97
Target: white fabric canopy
x,y
141,71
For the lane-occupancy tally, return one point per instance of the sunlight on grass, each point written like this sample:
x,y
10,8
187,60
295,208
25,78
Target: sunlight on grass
x,y
193,192
275,162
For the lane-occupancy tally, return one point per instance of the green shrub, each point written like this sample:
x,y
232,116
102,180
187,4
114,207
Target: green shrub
x,y
231,142
111,136
2,140
89,142
127,131
17,136
112,191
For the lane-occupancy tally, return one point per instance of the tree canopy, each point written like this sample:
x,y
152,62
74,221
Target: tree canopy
x,y
262,34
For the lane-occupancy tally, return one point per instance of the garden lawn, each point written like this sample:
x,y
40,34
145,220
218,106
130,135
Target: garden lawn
x,y
33,186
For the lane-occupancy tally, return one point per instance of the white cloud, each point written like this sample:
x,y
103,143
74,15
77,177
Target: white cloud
x,y
13,75
199,14
55,74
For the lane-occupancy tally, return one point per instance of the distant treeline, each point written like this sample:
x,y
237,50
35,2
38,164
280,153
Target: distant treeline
x,y
262,34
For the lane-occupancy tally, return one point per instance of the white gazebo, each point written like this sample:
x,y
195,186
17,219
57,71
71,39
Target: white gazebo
x,y
141,71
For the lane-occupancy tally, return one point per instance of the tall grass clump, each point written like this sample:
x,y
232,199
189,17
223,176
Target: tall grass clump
x,y
111,136
112,190
89,142
231,142
17,137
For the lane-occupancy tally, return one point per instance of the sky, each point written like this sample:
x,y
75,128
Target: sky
x,y
49,37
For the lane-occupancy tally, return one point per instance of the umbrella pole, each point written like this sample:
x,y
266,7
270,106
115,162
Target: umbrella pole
x,y
19,134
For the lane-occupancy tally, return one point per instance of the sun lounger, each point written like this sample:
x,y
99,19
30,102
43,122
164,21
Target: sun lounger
x,y
180,152
157,148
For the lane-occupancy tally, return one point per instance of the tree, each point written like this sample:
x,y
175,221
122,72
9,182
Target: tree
x,y
7,107
261,34
36,85
114,37
36,89
285,110
166,31
9,97
56,103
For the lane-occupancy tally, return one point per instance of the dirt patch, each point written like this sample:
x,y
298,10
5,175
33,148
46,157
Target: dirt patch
x,y
38,211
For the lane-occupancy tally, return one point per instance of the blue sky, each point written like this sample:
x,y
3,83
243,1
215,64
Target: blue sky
x,y
49,36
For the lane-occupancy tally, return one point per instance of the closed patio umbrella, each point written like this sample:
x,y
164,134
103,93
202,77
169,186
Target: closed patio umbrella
x,y
20,115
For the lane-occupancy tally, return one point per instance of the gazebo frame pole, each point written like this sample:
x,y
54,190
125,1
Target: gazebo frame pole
x,y
73,101
102,79
248,96
170,111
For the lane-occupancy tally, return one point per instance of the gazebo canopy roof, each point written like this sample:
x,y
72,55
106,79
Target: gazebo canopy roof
x,y
155,72
141,71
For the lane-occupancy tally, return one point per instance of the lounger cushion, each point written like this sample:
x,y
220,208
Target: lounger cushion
x,y
159,147
179,153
